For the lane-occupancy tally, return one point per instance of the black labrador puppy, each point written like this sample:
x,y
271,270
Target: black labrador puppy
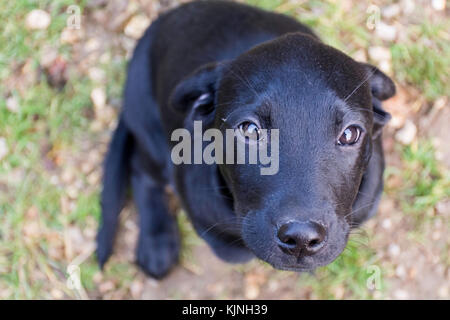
x,y
232,66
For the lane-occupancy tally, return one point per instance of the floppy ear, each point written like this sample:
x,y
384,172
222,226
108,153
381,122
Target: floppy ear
x,y
380,118
381,85
195,95
382,88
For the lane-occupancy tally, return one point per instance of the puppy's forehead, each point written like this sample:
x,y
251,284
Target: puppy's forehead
x,y
297,65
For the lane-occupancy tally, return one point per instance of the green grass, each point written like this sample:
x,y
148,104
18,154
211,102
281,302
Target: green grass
x,y
348,275
337,26
422,62
47,117
50,121
20,44
88,205
425,181
421,59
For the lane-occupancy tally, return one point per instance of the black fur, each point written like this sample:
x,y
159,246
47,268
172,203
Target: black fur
x,y
222,62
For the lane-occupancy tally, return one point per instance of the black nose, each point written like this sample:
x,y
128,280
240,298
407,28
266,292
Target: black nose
x,y
301,238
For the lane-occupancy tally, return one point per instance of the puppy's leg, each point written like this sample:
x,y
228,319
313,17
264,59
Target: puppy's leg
x,y
159,243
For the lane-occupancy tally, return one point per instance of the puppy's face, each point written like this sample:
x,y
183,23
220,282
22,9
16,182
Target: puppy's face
x,y
322,104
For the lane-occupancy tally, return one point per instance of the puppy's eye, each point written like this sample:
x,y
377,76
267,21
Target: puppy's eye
x,y
250,130
350,136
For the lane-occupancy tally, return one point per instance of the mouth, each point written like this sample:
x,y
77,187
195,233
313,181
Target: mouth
x,y
296,268
301,265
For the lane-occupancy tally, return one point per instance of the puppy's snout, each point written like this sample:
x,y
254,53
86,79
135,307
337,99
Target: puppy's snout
x,y
300,238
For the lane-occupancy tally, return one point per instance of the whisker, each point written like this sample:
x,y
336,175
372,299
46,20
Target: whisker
x,y
359,86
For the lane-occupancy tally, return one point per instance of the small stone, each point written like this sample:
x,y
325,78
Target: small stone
x,y
443,292
48,55
57,294
273,285
87,167
68,175
97,74
136,289
386,32
437,223
385,66
436,235
408,6
412,273
72,192
390,11
396,122
360,55
440,103
90,233
400,271
57,73
31,230
5,293
401,294
253,282
96,126
54,180
378,53
136,27
32,213
94,178
128,44
76,237
3,148
105,58
251,292
12,104
377,295
71,36
443,207
407,134
152,283
215,288
15,176
106,115
438,5
386,223
394,250
98,97
339,292
106,286
92,44
55,251
37,20
97,277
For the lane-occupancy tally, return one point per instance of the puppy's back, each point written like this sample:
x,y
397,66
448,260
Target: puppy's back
x,y
200,32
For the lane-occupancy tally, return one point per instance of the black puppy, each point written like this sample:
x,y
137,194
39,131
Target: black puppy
x,y
232,66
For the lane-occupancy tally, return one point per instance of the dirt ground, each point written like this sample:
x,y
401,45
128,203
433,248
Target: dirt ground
x,y
407,242
414,267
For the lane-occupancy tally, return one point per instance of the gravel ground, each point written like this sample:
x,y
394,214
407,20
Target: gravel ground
x,y
50,199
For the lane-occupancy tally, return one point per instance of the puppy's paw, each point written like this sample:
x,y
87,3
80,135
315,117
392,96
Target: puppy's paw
x,y
158,253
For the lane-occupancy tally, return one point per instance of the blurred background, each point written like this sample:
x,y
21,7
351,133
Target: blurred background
x,y
62,67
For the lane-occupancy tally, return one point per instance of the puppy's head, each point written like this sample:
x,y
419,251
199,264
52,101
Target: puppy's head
x,y
326,107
